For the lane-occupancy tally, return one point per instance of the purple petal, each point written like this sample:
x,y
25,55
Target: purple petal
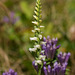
x,y
45,71
44,39
58,46
67,57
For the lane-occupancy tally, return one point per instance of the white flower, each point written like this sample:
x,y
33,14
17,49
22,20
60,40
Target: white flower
x,y
36,8
42,51
34,38
36,12
42,57
33,31
32,49
40,36
38,62
37,29
42,26
35,17
36,46
43,43
34,22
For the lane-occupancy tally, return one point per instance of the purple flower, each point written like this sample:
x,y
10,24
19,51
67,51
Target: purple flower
x,y
62,58
48,70
50,47
12,18
35,66
60,69
11,72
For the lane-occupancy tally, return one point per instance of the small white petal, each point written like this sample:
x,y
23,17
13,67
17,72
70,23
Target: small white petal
x,y
34,22
42,51
36,8
37,29
36,46
36,12
34,38
43,43
33,31
35,64
32,49
42,26
38,62
35,17
42,57
40,36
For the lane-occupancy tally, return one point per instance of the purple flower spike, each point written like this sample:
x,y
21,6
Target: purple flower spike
x,y
49,71
59,69
50,47
62,58
11,72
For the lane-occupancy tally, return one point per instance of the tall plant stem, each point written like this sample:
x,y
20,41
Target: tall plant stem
x,y
39,72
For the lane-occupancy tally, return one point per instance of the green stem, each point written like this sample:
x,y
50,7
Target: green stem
x,y
39,72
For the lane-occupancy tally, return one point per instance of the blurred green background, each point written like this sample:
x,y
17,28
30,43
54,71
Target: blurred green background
x,y
15,29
